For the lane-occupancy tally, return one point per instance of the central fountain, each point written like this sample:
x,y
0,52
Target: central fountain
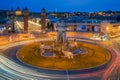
x,y
61,47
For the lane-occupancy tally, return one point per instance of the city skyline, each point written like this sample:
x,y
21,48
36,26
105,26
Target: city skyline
x,y
63,5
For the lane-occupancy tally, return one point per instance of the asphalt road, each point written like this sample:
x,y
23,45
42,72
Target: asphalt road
x,y
10,53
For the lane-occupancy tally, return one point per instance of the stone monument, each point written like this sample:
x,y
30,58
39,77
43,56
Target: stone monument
x,y
61,32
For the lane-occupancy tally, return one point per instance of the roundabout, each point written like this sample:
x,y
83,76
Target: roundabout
x,y
58,58
61,54
52,72
85,56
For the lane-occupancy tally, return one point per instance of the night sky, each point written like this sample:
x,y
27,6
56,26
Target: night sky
x,y
62,5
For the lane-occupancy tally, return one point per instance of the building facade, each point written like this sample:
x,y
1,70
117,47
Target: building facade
x,y
6,27
20,15
103,27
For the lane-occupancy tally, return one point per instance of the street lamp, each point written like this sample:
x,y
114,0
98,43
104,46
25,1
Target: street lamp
x,y
107,30
119,28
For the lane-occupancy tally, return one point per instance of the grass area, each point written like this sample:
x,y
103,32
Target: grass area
x,y
95,56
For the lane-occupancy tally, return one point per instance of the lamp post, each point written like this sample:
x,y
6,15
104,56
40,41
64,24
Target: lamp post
x,y
119,29
107,31
75,43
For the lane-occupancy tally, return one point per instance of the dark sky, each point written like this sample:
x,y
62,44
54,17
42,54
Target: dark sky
x,y
62,5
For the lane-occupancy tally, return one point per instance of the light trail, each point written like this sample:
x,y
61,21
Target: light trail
x,y
34,23
26,73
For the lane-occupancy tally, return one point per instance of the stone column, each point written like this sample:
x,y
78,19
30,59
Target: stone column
x,y
64,36
43,19
25,15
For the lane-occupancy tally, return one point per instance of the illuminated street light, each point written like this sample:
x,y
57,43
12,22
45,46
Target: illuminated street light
x,y
107,30
119,28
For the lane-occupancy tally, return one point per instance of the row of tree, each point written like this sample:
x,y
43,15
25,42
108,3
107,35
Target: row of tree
x,y
50,26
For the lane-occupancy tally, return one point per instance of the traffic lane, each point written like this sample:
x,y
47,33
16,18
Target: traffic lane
x,y
11,54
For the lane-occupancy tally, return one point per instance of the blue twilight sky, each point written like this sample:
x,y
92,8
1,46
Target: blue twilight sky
x,y
62,5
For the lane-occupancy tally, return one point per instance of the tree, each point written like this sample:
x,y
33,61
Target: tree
x,y
48,25
52,26
118,18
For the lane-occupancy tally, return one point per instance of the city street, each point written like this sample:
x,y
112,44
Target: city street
x,y
20,66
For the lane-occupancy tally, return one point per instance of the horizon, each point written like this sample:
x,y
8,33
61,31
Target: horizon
x,y
63,5
61,11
